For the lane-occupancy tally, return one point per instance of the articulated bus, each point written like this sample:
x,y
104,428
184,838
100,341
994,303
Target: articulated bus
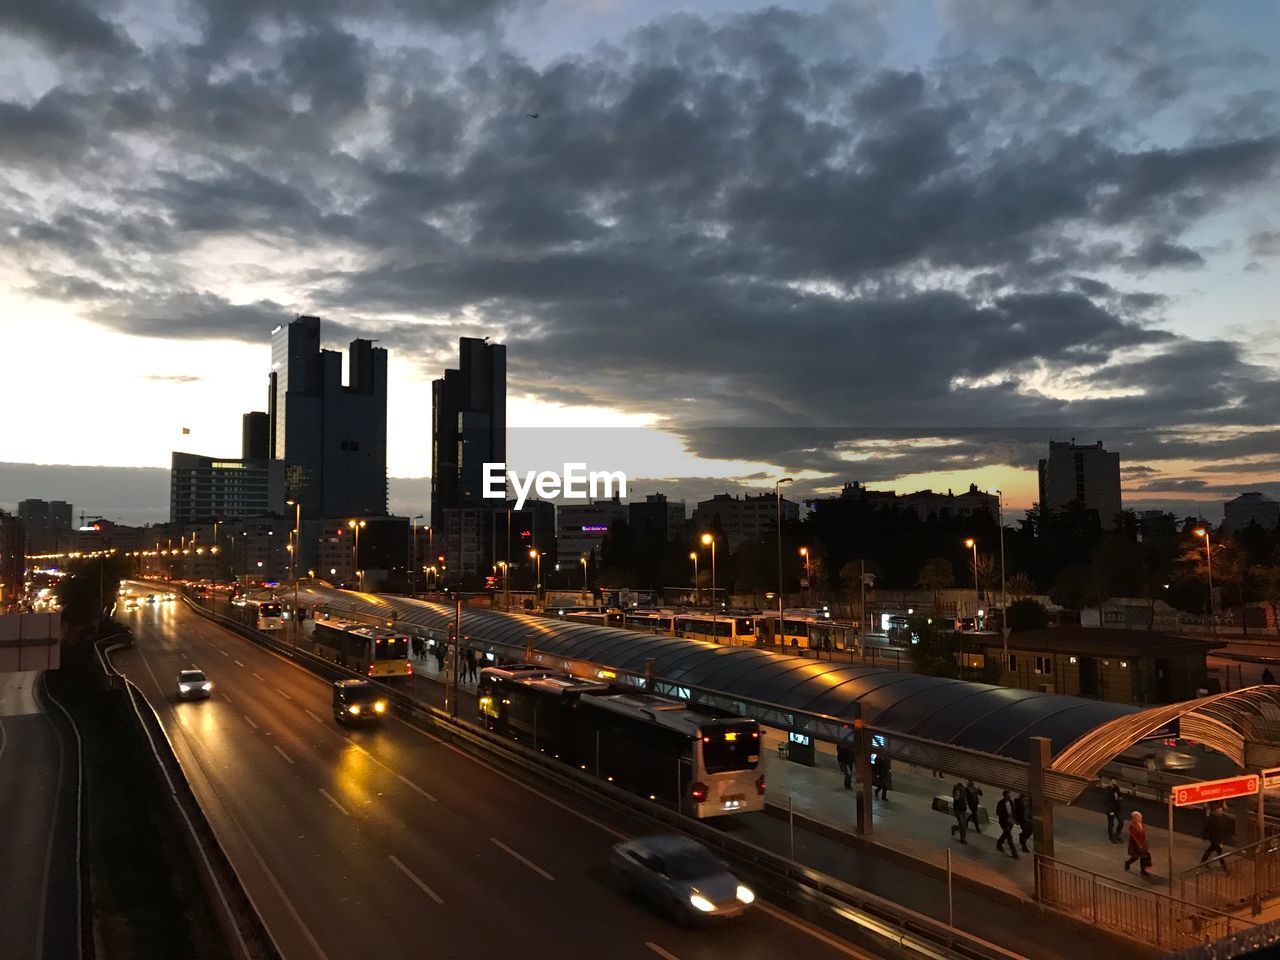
x,y
265,615
601,618
808,633
370,651
732,630
662,622
704,762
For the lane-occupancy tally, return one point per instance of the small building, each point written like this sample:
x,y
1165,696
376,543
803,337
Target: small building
x,y
1122,666
1251,507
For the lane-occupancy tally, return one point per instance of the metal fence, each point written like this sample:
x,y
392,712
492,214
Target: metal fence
x,y
1248,875
1136,912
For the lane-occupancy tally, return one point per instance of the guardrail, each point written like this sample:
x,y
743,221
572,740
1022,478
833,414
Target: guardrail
x,y
236,913
885,919
1249,874
1138,913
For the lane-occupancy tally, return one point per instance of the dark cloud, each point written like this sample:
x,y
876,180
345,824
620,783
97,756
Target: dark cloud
x,y
65,26
1156,253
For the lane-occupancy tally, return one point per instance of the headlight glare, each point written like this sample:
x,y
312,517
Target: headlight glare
x,y
745,894
701,902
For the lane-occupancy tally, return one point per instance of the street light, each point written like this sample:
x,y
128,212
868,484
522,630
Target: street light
x,y
1208,561
357,526
413,552
977,601
777,496
697,593
1004,595
804,552
536,557
709,540
583,560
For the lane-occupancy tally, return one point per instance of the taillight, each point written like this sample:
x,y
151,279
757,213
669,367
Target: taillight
x,y
371,669
411,669
760,784
698,791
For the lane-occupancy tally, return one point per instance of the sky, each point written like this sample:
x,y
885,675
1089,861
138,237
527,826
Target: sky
x,y
902,242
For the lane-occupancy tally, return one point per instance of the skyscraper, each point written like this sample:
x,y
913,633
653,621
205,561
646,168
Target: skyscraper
x,y
331,438
468,425
1084,474
255,436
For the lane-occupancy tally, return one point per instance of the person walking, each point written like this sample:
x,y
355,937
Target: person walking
x,y
1115,822
1267,676
881,767
844,759
1004,816
1138,850
1217,823
973,799
959,810
1022,817
471,665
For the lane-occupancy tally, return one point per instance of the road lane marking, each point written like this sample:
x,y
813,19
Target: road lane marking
x,y
282,753
414,877
238,663
314,716
249,722
405,780
328,796
226,698
224,653
525,860
283,694
847,949
258,676
660,952
413,786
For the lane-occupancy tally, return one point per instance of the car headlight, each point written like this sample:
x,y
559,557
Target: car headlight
x,y
379,707
184,688
701,902
354,708
745,894
207,687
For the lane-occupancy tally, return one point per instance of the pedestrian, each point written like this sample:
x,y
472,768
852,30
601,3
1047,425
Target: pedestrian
x,y
1115,822
1138,851
973,799
1004,816
881,766
1217,827
1022,817
471,665
844,759
439,656
959,810
1268,677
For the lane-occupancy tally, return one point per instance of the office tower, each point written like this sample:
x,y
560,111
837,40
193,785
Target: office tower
x,y
255,437
204,489
330,437
12,559
657,518
1083,474
468,425
751,518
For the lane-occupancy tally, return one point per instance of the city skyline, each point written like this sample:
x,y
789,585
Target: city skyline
x,y
974,228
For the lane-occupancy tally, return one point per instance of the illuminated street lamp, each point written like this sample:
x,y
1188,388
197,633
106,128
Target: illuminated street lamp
x,y
697,592
536,557
977,602
804,552
777,496
583,560
357,526
709,540
1208,561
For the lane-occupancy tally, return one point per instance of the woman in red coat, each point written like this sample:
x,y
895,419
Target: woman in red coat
x,y
1138,845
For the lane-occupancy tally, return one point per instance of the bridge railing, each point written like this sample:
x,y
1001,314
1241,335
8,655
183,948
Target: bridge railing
x,y
1250,874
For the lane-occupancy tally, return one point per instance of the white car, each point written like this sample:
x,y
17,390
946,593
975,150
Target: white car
x,y
681,877
193,685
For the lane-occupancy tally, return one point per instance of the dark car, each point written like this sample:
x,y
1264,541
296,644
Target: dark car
x,y
193,685
358,701
681,877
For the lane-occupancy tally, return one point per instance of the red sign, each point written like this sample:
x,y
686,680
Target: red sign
x,y
1209,790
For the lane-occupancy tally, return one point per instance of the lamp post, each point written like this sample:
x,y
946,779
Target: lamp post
x,y
977,602
413,553
804,552
1004,594
1208,562
583,560
356,525
697,592
536,557
777,496
506,580
709,540
296,536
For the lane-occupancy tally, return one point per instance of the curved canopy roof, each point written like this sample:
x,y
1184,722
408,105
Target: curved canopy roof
x,y
976,716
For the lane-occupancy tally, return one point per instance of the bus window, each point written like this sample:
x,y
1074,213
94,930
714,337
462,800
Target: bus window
x,y
730,747
745,626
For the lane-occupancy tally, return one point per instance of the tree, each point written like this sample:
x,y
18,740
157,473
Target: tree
x,y
1266,580
1071,587
851,580
1019,586
933,651
936,575
1027,614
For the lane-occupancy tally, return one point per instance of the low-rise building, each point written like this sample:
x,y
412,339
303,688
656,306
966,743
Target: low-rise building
x,y
749,518
1251,507
582,527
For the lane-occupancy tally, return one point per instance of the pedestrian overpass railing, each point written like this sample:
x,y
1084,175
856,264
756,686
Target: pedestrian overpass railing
x,y
1140,913
1249,874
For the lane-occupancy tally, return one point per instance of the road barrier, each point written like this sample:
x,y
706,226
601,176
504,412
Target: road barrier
x,y
821,892
1248,875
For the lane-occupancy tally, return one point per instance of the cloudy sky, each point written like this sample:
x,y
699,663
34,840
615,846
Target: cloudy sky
x,y
903,242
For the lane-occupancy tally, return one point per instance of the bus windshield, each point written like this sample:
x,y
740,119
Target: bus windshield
x,y
269,610
731,746
391,648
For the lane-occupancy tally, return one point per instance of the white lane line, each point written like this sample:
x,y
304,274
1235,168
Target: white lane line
x,y
282,753
249,722
238,663
660,952
226,698
836,944
405,780
314,716
225,654
414,877
525,860
258,676
328,796
413,786
283,694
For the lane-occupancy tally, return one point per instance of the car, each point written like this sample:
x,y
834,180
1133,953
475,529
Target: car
x,y
151,598
131,604
193,685
681,877
358,701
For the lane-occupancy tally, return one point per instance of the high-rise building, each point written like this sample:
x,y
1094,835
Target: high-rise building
x,y
468,425
331,437
657,517
751,517
1251,507
255,436
204,489
582,527
13,560
46,525
1083,474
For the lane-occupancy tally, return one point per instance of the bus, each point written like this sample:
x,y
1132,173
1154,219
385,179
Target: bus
x,y
704,762
820,634
264,615
601,618
655,621
733,630
370,651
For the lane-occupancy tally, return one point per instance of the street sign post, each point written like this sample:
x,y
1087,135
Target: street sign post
x,y
1207,791
1270,778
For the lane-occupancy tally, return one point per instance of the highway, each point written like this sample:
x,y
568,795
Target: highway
x,y
38,908
388,842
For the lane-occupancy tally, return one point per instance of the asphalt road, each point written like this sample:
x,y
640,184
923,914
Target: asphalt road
x,y
38,919
388,842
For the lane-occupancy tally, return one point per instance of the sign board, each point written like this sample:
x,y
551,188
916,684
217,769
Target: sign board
x,y
1208,791
1270,778
1169,731
800,748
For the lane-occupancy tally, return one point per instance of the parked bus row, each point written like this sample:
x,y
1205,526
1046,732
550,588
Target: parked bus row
x,y
818,633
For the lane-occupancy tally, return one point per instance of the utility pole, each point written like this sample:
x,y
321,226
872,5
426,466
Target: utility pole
x,y
451,679
777,496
